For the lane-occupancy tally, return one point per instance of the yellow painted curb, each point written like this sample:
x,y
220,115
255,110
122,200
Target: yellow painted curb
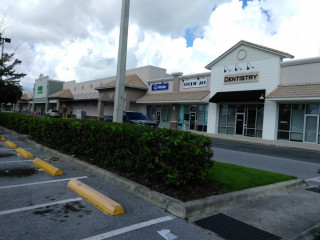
x,y
99,200
47,167
10,144
24,153
2,139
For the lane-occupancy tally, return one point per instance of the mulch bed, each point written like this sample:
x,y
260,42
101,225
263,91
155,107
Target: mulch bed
x,y
189,192
192,191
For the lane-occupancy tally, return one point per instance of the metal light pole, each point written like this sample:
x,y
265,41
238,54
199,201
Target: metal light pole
x,y
121,67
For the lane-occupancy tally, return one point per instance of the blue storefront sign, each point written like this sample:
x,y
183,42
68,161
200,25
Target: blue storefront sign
x,y
161,86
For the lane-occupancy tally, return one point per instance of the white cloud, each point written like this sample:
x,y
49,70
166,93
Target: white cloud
x,y
78,39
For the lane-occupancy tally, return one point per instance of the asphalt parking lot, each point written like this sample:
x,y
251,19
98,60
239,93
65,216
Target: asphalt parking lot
x,y
36,205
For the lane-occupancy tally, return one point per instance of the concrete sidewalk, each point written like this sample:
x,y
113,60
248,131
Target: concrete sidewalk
x,y
278,143
289,214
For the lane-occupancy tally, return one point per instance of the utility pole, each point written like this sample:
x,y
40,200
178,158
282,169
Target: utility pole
x,y
121,66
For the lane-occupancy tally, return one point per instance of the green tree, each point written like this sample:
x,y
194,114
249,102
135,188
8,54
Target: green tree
x,y
10,89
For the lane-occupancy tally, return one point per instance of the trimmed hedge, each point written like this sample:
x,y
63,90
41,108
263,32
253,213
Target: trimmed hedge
x,y
170,156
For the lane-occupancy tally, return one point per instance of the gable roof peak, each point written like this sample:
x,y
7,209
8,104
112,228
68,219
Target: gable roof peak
x,y
253,45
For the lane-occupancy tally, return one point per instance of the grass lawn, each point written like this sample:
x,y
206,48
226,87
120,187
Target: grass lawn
x,y
234,177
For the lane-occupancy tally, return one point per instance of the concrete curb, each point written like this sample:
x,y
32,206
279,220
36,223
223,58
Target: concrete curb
x,y
172,205
309,234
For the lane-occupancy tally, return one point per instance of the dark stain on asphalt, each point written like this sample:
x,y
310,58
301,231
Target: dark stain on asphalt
x,y
6,154
43,212
17,172
61,213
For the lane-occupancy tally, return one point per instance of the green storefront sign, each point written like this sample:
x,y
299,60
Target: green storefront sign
x,y
40,88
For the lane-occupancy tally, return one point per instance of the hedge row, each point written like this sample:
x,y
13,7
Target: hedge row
x,y
170,156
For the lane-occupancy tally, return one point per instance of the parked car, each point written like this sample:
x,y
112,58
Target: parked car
x,y
106,118
132,117
138,118
53,113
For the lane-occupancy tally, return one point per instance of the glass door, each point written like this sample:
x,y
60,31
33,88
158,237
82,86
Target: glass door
x,y
311,128
239,123
158,119
192,121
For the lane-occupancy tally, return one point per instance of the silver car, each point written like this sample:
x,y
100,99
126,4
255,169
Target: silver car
x,y
53,113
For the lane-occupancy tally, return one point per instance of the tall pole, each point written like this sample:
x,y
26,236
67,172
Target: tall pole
x,y
121,67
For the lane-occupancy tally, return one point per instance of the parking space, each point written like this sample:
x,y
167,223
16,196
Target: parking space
x,y
36,205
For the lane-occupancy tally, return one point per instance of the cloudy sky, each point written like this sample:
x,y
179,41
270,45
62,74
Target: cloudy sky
x,y
78,39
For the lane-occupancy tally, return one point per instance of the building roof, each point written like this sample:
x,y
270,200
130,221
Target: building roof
x,y
242,42
296,91
174,97
86,96
27,96
64,93
131,81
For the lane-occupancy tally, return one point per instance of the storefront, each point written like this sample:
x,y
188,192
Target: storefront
x,y
190,117
241,119
43,88
240,80
179,101
255,93
299,122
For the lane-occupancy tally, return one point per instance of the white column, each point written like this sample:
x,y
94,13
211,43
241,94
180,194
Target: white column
x,y
270,120
213,118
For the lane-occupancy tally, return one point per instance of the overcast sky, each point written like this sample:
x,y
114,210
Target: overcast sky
x,y
78,39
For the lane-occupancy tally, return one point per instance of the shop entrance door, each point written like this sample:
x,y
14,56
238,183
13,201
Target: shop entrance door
x,y
239,123
311,128
192,121
158,117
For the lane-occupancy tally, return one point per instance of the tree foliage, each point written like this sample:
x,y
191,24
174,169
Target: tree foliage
x,y
10,89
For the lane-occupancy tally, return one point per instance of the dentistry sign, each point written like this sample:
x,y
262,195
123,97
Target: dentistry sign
x,y
241,78
195,83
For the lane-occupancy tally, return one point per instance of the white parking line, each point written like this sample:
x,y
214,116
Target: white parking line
x,y
14,149
16,161
130,228
39,206
35,183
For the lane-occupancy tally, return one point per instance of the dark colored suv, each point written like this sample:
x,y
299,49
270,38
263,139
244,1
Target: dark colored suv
x,y
132,117
138,118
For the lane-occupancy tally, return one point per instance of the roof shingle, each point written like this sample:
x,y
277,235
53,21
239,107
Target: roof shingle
x,y
64,93
296,91
131,81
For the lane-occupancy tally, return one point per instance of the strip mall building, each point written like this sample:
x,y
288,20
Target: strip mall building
x,y
250,91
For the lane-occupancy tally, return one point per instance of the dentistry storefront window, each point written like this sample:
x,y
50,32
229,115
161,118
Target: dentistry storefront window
x,y
241,119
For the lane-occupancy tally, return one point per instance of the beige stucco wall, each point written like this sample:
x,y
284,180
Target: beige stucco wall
x,y
144,73
300,72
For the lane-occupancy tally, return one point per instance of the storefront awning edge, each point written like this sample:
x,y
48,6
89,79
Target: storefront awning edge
x,y
300,99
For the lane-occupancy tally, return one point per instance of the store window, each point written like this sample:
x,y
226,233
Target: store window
x,y
241,119
299,122
284,121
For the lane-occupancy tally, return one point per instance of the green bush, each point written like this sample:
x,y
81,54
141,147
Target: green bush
x,y
169,156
